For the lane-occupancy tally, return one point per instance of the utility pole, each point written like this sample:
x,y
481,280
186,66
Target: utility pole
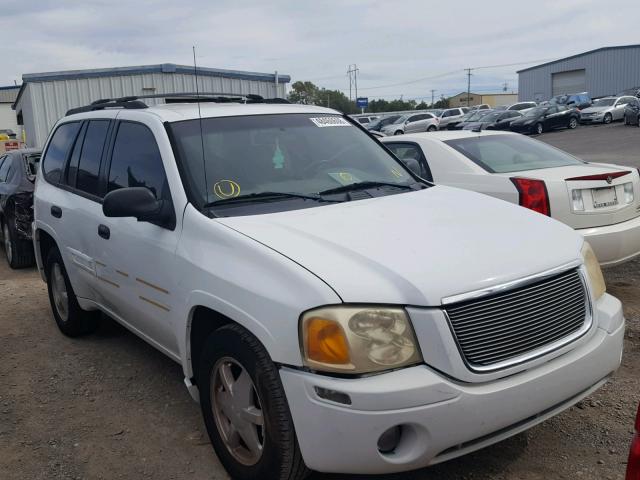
x,y
352,71
432,92
505,86
468,85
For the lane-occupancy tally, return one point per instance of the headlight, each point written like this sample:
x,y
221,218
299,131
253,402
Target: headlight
x,y
593,271
358,339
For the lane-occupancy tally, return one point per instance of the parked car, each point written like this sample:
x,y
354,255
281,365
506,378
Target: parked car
x,y
264,247
634,92
378,124
577,100
365,120
600,201
8,132
522,107
632,113
545,118
412,123
633,465
469,116
605,110
500,120
17,177
449,115
483,106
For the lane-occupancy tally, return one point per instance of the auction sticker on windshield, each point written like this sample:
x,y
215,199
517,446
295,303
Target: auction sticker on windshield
x,y
330,122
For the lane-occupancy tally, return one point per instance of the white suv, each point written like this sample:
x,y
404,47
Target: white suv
x,y
331,311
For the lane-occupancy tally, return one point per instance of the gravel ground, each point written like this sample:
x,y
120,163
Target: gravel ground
x,y
110,406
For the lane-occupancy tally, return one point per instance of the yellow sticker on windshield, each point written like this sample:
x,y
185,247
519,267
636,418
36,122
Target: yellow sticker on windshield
x,y
397,172
226,189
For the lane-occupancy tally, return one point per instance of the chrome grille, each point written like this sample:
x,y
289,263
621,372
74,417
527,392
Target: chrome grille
x,y
497,329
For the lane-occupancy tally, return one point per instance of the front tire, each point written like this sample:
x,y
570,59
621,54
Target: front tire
x,y
72,320
245,408
398,132
607,119
573,123
431,128
538,128
18,252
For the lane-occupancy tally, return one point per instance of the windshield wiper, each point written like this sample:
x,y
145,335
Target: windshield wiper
x,y
362,185
250,197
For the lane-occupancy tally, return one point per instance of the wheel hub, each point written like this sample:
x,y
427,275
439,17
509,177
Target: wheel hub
x,y
237,411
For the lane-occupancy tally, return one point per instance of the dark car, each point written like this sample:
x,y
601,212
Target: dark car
x,y
17,176
472,116
545,118
577,100
500,120
632,113
377,125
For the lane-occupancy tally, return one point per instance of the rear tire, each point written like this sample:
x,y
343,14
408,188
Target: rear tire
x,y
271,449
431,128
607,119
18,252
398,132
72,320
538,128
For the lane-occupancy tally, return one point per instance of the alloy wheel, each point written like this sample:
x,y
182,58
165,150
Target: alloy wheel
x,y
59,291
237,411
539,128
573,123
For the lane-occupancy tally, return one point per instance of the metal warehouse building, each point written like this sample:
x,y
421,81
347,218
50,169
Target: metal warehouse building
x,y
601,72
45,97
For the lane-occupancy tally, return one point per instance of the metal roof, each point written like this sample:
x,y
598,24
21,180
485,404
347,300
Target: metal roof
x,y
602,49
9,94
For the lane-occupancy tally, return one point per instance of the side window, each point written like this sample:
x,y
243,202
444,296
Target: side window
x,y
408,151
136,161
90,156
58,151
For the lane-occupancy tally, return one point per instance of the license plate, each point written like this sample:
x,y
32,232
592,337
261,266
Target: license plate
x,y
604,197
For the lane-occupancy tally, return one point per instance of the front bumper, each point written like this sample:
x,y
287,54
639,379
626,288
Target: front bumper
x,y
441,418
592,119
614,244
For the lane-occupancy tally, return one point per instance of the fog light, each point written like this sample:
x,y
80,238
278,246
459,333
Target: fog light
x,y
390,439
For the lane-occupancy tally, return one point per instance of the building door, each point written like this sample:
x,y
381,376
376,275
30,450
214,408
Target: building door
x,y
573,81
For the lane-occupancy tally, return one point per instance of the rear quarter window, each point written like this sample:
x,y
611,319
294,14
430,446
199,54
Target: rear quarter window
x,y
58,150
511,153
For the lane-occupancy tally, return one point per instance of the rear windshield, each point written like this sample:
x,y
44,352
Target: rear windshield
x,y
511,153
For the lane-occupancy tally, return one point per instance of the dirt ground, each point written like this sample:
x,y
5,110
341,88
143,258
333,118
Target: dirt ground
x,y
110,406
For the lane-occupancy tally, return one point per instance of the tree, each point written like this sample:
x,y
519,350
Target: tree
x,y
308,93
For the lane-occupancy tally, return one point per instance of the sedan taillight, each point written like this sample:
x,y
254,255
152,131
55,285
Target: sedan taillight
x,y
533,194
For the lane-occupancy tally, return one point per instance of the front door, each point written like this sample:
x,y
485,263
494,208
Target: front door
x,y
138,258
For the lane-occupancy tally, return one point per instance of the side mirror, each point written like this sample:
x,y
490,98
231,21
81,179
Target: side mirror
x,y
412,164
141,203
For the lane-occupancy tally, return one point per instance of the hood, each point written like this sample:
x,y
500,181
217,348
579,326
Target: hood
x,y
415,248
595,109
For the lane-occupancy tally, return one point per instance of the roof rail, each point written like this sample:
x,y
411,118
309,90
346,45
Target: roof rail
x,y
134,101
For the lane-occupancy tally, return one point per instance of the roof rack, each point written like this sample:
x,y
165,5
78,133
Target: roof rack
x,y
134,102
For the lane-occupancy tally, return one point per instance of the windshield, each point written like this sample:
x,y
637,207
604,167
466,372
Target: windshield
x,y
604,102
511,153
477,115
286,153
534,112
384,121
400,119
491,117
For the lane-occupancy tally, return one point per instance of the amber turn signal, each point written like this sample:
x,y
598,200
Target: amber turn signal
x,y
326,342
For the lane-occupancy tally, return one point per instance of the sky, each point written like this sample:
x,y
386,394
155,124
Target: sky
x,y
401,47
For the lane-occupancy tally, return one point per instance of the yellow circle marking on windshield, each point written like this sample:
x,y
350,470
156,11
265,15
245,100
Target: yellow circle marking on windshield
x,y
345,176
226,189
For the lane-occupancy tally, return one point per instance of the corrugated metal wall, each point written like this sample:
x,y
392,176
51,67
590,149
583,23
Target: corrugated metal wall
x,y
607,73
44,103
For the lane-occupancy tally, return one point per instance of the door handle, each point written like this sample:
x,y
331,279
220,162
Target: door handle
x,y
56,211
104,231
